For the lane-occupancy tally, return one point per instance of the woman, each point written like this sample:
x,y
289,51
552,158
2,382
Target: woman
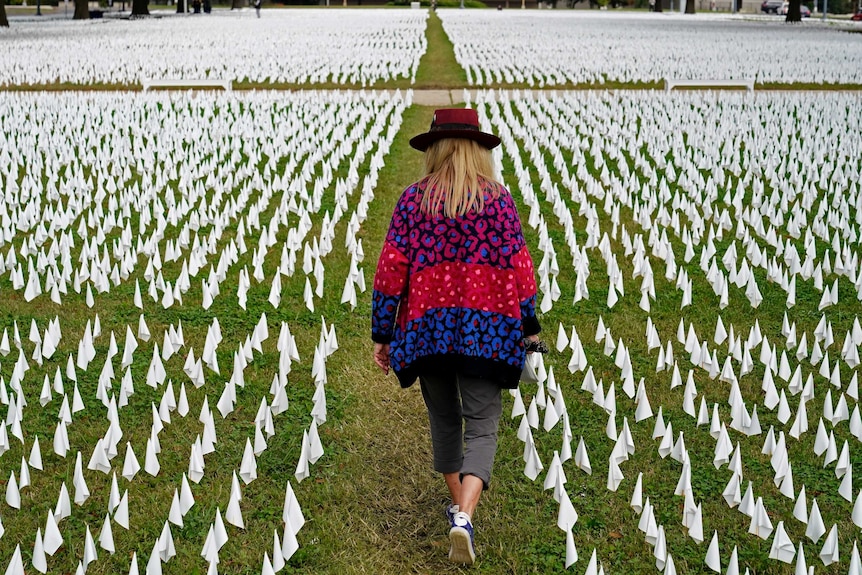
x,y
454,299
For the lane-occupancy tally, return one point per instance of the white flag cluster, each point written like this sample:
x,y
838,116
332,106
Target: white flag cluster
x,y
506,48
313,47
197,221
736,223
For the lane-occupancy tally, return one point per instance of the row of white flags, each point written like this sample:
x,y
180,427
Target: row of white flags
x,y
50,539
789,367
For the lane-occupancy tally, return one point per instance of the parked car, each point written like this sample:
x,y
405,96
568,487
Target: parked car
x,y
857,17
806,11
771,6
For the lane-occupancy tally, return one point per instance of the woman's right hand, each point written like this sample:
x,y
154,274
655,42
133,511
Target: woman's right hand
x,y
381,356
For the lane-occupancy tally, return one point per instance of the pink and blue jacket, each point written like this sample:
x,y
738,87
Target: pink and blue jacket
x,y
455,293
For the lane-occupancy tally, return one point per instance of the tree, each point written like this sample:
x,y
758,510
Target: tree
x,y
181,6
657,7
689,6
4,22
794,11
139,8
82,10
236,4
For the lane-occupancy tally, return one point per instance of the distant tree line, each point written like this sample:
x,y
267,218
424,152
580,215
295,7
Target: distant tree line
x,y
138,7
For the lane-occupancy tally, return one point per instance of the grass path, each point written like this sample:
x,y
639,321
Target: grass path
x,y
382,512
382,509
438,68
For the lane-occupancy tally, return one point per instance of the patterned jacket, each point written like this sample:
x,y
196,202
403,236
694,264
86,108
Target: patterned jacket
x,y
455,293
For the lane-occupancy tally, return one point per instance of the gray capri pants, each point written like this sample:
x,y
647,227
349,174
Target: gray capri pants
x,y
450,398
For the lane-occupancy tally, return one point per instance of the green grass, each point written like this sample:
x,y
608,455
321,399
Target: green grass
x,y
438,68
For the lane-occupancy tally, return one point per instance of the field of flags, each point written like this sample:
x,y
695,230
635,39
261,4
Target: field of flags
x,y
682,211
227,190
176,268
576,47
301,46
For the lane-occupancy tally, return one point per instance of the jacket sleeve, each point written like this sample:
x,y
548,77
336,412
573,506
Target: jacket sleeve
x,y
524,275
390,279
526,291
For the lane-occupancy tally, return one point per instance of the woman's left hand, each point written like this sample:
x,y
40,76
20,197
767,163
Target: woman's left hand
x,y
381,356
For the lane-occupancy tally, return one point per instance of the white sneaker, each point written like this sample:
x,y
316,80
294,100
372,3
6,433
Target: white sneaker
x,y
461,540
451,510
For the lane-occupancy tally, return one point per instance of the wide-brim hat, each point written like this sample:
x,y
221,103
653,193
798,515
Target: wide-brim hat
x,y
454,123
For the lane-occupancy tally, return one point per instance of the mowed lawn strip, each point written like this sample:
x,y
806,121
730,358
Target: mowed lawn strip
x,y
385,514
382,511
438,68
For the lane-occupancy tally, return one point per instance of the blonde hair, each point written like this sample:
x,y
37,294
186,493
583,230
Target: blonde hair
x,y
458,172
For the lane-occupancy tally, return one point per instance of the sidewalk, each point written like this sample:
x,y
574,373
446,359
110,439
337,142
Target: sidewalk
x,y
438,97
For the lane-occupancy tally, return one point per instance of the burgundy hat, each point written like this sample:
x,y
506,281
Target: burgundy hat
x,y
454,123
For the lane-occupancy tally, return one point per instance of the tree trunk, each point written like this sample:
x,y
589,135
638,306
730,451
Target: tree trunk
x,y
657,7
4,22
181,6
689,6
139,8
794,12
82,10
236,4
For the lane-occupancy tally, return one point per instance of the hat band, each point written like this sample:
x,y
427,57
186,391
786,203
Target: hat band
x,y
441,127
